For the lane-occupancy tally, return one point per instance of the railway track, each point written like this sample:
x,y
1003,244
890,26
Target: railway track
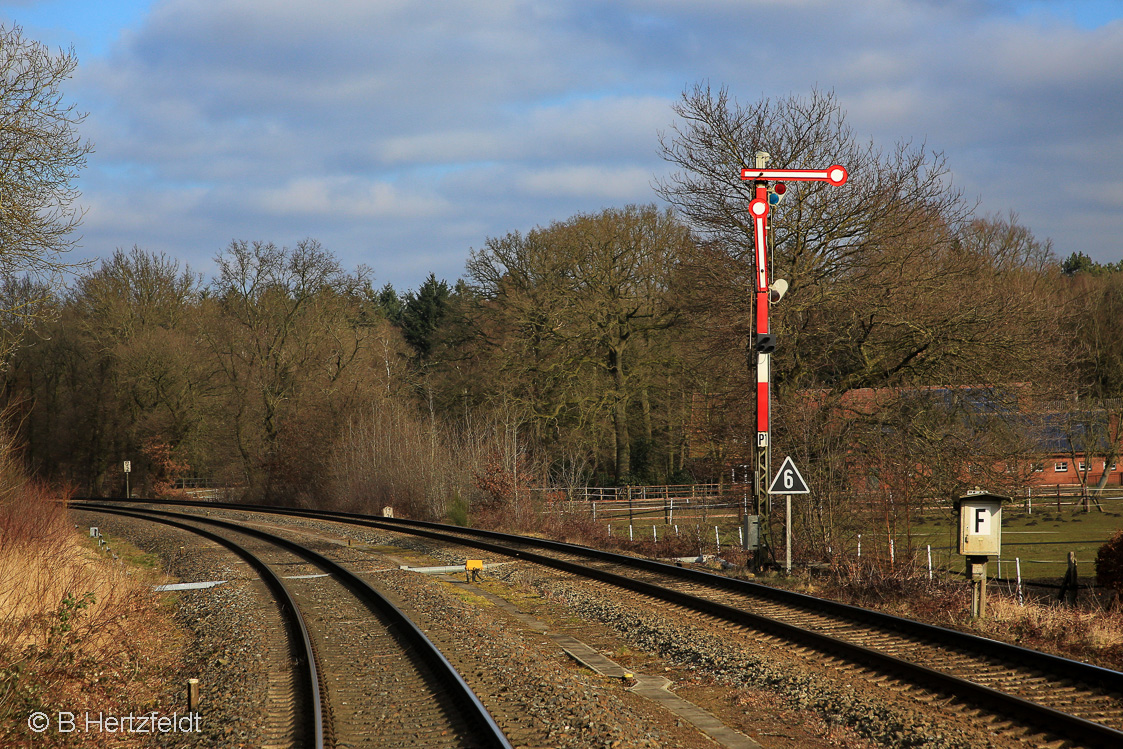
x,y
369,676
1058,698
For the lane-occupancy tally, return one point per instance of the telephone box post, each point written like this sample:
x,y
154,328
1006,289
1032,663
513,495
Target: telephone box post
x,y
980,537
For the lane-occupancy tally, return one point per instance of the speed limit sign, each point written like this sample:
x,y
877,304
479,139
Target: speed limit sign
x,y
788,480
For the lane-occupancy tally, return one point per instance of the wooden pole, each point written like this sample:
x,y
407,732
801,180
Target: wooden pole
x,y
1070,586
977,573
192,695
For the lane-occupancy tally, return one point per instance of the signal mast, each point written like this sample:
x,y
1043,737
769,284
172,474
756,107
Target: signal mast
x,y
764,343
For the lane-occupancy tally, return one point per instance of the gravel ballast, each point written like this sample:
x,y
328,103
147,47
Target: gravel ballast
x,y
536,694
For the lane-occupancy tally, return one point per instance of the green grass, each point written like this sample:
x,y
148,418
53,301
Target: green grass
x,y
130,555
1041,540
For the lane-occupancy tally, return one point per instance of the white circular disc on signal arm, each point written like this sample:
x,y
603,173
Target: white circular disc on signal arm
x,y
837,175
759,208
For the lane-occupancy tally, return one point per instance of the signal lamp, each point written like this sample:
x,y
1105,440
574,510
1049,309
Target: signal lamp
x,y
776,192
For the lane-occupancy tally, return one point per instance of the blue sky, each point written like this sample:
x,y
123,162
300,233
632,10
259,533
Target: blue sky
x,y
401,134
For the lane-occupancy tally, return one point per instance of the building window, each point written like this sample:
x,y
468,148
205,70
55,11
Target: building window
x,y
1038,467
1082,466
1061,467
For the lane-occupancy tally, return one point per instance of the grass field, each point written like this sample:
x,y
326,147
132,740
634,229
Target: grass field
x,y
1041,540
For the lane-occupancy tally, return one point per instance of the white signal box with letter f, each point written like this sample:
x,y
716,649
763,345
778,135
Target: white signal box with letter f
x,y
980,536
980,524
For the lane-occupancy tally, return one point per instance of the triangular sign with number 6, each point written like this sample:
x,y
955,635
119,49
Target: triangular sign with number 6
x,y
788,480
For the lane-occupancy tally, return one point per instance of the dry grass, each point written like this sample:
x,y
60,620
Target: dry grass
x,y
77,631
1088,632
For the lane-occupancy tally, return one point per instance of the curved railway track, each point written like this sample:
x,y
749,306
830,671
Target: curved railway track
x,y
371,677
1057,697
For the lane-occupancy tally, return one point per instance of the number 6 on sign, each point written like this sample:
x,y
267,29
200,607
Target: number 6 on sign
x,y
788,480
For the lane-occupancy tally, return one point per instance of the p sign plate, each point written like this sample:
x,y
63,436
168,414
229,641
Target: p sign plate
x,y
788,480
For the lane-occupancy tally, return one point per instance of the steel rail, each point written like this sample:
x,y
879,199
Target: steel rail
x,y
486,732
1104,677
1048,719
309,675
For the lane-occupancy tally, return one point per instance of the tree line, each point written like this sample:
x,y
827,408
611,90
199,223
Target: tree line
x,y
918,343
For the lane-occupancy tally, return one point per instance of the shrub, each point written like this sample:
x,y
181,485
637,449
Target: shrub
x,y
1109,564
77,631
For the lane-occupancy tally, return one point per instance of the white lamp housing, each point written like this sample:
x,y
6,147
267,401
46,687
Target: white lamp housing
x,y
777,289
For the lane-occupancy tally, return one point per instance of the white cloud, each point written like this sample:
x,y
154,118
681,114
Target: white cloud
x,y
347,198
626,184
382,126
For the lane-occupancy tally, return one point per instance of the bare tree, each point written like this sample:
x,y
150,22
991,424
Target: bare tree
x,y
582,302
293,336
1092,416
894,287
821,231
41,153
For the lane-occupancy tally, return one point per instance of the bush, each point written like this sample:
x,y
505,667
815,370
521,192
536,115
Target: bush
x,y
1109,564
77,631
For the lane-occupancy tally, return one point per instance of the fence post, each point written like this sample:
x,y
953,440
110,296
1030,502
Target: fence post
x,y
192,695
1018,569
1071,583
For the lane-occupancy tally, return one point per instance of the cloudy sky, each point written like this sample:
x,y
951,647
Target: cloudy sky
x,y
401,134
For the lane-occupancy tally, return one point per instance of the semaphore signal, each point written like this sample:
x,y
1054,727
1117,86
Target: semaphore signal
x,y
764,197
836,175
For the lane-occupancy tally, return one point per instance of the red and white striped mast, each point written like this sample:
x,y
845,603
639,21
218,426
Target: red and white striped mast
x,y
768,291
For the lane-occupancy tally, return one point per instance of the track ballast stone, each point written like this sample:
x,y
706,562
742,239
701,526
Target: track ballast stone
x,y
704,652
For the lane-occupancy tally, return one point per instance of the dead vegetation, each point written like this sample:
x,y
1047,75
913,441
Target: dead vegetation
x,y
1089,631
78,631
